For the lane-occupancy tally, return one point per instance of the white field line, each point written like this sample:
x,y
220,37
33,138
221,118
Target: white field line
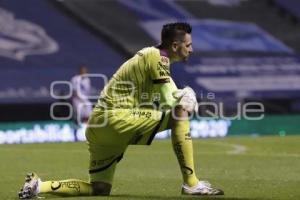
x,y
241,149
235,148
276,154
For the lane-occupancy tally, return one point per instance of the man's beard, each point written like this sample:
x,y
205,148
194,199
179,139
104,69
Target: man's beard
x,y
185,59
182,57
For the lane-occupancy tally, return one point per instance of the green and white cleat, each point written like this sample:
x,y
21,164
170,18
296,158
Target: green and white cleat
x,y
202,188
31,186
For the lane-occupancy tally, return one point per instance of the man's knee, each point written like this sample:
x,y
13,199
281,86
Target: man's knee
x,y
101,189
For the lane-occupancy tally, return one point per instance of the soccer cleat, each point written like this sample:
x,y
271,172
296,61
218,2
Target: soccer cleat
x,y
202,188
31,186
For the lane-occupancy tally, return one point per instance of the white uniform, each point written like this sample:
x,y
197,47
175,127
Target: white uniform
x,y
81,90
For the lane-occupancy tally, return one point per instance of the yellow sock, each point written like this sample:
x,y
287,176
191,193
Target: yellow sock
x,y
183,147
70,187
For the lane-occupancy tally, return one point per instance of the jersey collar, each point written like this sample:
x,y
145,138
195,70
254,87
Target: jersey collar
x,y
162,52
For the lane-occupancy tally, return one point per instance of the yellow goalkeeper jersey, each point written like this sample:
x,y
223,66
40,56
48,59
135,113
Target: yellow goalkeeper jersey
x,y
132,85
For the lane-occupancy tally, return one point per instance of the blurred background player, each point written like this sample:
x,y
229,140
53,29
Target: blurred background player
x,y
140,100
82,107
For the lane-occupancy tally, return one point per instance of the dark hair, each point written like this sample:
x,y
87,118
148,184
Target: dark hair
x,y
174,31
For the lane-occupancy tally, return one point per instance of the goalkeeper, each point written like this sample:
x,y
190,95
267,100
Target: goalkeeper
x,y
140,100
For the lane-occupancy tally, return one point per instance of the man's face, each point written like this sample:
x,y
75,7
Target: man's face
x,y
185,49
83,70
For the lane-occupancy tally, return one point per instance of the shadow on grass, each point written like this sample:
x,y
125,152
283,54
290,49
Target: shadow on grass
x,y
183,197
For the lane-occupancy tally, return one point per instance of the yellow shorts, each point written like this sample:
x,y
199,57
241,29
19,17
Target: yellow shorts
x,y
110,132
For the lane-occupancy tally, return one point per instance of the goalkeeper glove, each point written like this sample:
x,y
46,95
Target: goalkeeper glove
x,y
187,99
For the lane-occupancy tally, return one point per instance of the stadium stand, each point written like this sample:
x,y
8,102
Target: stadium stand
x,y
111,21
290,6
39,45
243,51
258,12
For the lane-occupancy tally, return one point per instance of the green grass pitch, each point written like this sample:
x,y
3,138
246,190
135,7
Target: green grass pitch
x,y
260,168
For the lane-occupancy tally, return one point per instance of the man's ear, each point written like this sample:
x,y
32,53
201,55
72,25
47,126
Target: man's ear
x,y
174,46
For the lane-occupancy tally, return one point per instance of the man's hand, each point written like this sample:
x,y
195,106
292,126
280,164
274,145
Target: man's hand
x,y
187,99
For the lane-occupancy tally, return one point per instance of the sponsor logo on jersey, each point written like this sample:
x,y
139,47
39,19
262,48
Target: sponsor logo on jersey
x,y
164,60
